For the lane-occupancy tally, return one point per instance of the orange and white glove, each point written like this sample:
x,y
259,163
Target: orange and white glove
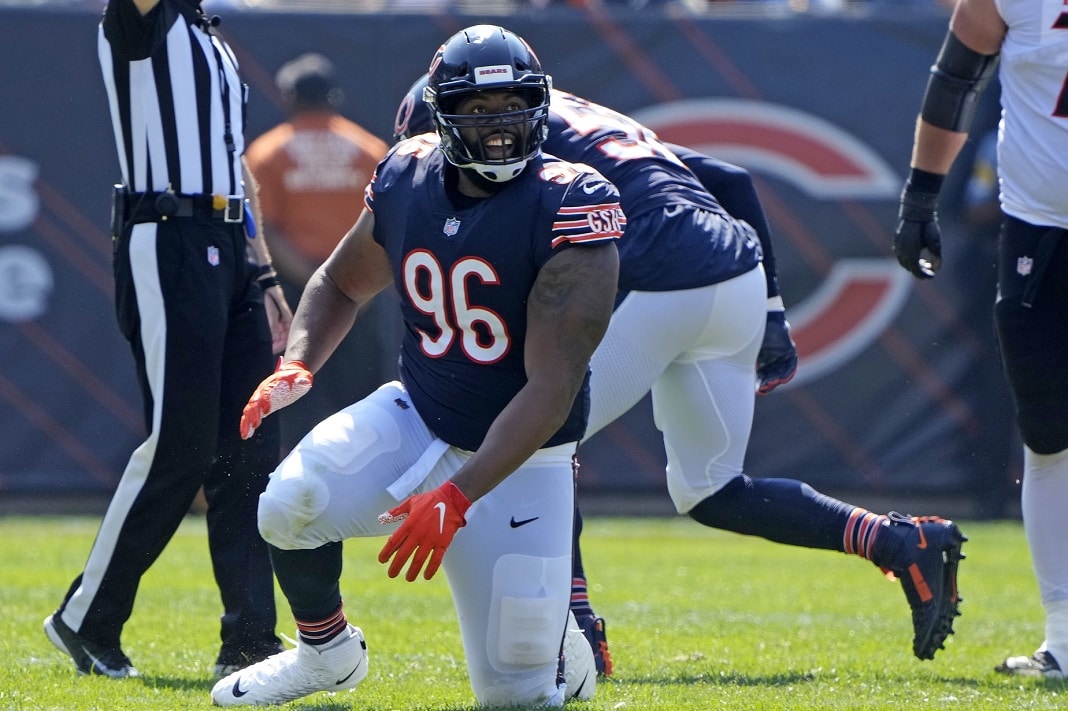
x,y
430,521
288,383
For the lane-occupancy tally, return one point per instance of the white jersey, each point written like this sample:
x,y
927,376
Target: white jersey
x,y
1033,133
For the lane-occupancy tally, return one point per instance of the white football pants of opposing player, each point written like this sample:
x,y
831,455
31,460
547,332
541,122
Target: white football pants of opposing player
x,y
696,350
509,568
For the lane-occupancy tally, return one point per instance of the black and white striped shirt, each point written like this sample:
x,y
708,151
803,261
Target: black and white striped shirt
x,y
177,102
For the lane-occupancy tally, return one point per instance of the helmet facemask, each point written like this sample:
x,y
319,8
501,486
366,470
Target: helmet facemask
x,y
498,145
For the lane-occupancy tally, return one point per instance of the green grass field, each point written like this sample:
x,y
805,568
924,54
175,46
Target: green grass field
x,y
697,619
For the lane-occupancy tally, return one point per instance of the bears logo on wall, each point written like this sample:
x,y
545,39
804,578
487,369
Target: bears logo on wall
x,y
857,298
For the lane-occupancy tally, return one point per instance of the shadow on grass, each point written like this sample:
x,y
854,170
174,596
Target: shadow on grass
x,y
723,678
345,702
1007,681
728,678
176,683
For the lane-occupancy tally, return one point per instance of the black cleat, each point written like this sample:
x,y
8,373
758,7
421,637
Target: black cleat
x,y
233,659
88,657
594,630
1041,664
930,580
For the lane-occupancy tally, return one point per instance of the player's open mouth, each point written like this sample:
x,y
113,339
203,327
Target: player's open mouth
x,y
498,145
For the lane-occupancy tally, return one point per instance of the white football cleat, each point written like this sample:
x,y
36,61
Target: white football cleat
x,y
338,665
580,669
1041,664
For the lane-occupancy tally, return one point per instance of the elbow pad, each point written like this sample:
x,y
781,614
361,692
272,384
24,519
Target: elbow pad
x,y
958,79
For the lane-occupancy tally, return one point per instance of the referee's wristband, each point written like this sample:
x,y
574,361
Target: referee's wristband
x,y
266,276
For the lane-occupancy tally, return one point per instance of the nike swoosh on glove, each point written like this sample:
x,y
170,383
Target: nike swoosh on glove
x,y
428,523
777,359
287,384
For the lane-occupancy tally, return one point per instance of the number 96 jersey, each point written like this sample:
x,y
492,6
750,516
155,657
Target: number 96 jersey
x,y
464,267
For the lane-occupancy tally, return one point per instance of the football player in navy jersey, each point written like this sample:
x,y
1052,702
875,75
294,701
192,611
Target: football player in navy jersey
x,y
506,263
699,322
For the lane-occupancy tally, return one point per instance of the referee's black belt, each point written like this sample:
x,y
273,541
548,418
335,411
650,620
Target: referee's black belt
x,y
158,207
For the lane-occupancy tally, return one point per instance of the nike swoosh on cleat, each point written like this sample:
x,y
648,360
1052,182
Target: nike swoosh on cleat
x,y
516,524
348,676
581,687
238,692
922,545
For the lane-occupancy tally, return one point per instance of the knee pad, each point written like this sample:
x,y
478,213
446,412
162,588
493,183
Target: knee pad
x,y
524,632
292,500
528,635
527,638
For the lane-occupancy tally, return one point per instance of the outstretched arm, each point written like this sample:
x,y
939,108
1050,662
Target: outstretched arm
x,y
352,275
356,271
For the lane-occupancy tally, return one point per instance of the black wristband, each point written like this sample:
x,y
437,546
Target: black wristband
x,y
919,199
925,181
267,282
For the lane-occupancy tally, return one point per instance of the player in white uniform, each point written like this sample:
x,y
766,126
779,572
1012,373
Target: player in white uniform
x,y
1031,310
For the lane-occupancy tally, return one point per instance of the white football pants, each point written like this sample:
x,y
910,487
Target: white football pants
x,y
509,568
696,350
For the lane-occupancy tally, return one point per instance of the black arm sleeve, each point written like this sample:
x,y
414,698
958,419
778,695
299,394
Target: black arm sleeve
x,y
958,79
733,188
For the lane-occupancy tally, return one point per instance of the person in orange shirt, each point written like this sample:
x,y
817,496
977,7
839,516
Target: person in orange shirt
x,y
312,170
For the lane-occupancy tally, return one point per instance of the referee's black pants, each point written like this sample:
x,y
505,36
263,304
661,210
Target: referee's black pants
x,y
187,301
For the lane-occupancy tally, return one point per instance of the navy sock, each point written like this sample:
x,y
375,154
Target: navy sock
x,y
580,598
781,510
309,580
889,551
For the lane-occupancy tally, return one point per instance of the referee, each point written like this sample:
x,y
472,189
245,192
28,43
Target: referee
x,y
192,279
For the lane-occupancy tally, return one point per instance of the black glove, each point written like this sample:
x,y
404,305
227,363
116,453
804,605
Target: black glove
x,y
917,230
777,360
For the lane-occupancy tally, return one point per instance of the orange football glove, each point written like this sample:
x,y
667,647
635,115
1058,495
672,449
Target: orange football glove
x,y
430,521
287,384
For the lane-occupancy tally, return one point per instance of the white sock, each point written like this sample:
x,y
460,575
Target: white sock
x,y
1057,632
1044,500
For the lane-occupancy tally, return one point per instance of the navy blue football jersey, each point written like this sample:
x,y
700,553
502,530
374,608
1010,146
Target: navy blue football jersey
x,y
464,269
667,253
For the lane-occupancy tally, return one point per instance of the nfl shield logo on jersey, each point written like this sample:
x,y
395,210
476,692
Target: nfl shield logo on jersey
x,y
1023,265
452,226
213,256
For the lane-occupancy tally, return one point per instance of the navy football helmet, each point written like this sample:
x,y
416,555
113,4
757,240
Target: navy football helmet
x,y
486,58
413,115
